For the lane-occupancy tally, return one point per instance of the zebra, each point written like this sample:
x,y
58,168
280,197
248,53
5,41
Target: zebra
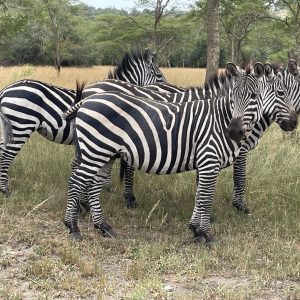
x,y
157,91
272,108
192,93
289,81
28,105
162,138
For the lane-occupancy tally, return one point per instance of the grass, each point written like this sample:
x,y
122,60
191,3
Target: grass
x,y
255,257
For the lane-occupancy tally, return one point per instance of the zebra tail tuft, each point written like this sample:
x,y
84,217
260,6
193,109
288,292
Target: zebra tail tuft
x,y
122,170
7,133
70,114
79,90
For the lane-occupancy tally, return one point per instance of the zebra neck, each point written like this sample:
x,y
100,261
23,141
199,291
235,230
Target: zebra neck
x,y
223,112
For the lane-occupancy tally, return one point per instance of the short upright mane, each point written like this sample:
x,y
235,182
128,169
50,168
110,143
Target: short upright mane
x,y
218,84
278,68
124,64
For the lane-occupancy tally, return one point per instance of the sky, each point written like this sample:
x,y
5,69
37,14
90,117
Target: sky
x,y
110,3
126,4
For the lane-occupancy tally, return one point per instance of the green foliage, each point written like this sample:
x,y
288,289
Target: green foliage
x,y
39,31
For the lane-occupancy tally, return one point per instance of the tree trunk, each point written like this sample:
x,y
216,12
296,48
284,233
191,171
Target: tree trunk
x,y
213,48
58,52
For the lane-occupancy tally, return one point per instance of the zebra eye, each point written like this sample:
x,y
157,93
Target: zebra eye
x,y
253,96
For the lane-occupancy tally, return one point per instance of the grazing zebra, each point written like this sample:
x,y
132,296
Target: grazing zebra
x,y
27,106
162,138
289,88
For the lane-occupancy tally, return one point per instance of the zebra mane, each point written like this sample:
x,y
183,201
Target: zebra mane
x,y
218,84
278,68
248,70
124,64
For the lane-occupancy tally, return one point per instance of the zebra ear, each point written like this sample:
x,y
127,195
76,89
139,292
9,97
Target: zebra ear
x,y
232,69
269,72
293,68
148,56
258,69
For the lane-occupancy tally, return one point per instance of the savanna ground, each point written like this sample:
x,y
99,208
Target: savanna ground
x,y
255,256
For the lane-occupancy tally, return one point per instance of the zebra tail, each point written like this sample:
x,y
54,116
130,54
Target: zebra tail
x,y
79,90
6,129
122,169
70,114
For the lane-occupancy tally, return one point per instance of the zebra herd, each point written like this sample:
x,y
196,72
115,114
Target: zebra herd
x,y
152,126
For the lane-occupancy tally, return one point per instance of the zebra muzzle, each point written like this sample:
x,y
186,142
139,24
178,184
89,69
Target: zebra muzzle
x,y
235,130
290,123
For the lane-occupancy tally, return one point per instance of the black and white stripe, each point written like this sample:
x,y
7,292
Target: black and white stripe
x,y
287,87
30,106
162,138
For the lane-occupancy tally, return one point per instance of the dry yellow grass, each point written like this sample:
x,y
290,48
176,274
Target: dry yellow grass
x,y
68,76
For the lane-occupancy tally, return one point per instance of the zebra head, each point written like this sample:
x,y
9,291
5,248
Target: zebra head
x,y
245,99
138,67
290,79
276,102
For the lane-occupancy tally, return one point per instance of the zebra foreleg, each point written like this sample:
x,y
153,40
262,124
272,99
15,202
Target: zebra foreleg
x,y
200,220
239,178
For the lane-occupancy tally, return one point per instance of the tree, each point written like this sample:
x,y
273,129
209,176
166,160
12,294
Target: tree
x,y
290,16
58,18
158,9
238,19
213,48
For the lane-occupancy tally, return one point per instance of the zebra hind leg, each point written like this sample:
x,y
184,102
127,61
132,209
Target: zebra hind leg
x,y
128,171
93,195
83,200
7,155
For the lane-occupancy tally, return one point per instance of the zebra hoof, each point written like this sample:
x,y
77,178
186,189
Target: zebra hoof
x,y
204,239
130,202
6,192
242,209
107,230
75,236
108,188
201,237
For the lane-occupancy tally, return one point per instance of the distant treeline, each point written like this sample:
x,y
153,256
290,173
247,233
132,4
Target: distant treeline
x,y
43,32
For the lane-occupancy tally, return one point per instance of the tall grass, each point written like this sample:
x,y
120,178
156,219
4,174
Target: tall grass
x,y
68,76
256,256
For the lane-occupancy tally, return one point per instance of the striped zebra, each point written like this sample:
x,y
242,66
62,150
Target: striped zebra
x,y
162,138
274,109
192,93
27,106
289,88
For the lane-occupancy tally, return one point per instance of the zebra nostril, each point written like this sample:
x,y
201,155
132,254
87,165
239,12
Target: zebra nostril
x,y
295,123
241,133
